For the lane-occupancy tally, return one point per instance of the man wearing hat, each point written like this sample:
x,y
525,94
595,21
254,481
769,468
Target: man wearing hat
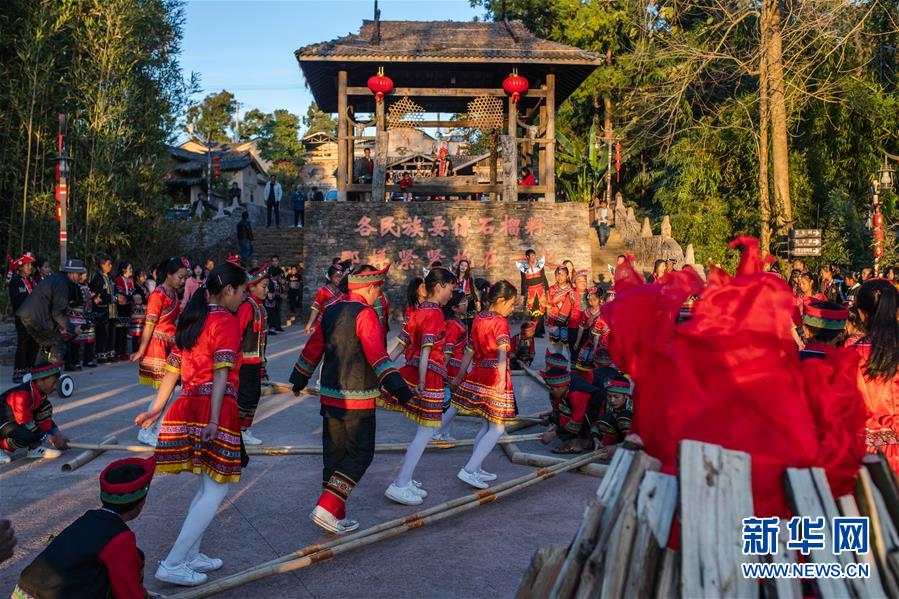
x,y
571,399
615,423
523,345
43,313
26,415
251,318
97,555
349,342
21,284
822,325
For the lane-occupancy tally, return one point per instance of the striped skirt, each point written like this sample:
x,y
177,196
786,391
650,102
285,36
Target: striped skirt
x,y
481,394
152,365
425,409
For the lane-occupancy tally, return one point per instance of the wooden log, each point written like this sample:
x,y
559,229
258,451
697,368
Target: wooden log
x,y
715,495
580,549
316,553
666,585
849,508
783,588
534,375
656,504
619,555
879,540
344,162
87,455
884,479
546,577
544,559
805,500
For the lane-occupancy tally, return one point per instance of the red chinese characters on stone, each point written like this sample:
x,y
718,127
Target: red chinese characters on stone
x,y
407,258
534,226
461,224
378,257
413,227
364,227
488,259
460,256
487,226
435,256
389,227
438,227
511,226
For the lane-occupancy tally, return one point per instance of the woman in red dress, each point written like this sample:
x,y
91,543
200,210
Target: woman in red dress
x,y
425,372
486,391
453,351
200,434
878,377
325,296
559,302
593,333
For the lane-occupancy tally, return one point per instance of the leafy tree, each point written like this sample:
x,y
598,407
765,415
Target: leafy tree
x,y
253,124
213,117
280,140
316,121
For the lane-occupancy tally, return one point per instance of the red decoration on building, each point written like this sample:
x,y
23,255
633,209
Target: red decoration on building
x,y
515,85
617,161
878,234
380,84
878,219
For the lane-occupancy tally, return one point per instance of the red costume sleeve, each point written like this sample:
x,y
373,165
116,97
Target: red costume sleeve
x,y
368,330
225,344
432,327
154,306
309,358
503,337
577,403
22,406
244,316
320,298
125,567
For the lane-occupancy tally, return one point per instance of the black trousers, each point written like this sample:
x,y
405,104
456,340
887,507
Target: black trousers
x,y
298,217
26,352
269,207
293,300
348,445
248,392
105,345
49,341
79,354
274,314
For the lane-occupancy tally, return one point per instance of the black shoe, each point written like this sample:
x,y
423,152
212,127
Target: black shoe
x,y
280,330
72,368
272,332
90,365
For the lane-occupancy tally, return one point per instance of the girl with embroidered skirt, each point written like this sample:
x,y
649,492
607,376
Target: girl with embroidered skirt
x,y
878,376
465,284
593,332
20,285
578,307
105,310
80,314
138,316
200,434
125,288
158,336
422,342
486,391
454,345
252,321
325,296
559,300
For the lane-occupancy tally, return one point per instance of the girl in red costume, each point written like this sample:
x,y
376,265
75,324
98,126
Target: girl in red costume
x,y
422,342
559,303
454,345
592,335
325,296
465,284
878,377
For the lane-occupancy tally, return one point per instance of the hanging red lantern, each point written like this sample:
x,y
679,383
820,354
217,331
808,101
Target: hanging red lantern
x,y
878,219
617,162
380,84
515,85
878,251
878,235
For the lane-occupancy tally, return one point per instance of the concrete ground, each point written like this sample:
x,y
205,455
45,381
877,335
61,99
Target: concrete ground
x,y
481,553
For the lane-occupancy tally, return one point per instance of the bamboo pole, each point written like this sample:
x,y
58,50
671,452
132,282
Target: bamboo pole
x,y
524,458
307,556
308,449
86,456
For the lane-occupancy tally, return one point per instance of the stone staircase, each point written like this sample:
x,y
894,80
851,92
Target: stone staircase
x,y
605,256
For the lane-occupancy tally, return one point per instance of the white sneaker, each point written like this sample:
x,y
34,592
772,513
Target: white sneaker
x,y
445,437
403,495
485,476
329,522
203,563
182,575
416,488
147,437
43,453
5,458
471,479
249,438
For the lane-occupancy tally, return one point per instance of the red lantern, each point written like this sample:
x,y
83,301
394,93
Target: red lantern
x,y
878,251
878,219
878,235
380,84
515,85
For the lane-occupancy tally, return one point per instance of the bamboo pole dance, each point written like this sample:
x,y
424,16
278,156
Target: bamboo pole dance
x,y
275,450
89,454
312,554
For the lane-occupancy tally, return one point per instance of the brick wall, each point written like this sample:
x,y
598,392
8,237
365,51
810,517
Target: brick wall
x,y
492,234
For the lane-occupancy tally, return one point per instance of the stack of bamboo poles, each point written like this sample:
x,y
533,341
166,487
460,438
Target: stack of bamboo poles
x,y
621,547
312,554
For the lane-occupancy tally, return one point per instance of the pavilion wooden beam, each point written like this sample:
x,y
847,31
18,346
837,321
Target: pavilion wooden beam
x,y
456,92
341,136
550,180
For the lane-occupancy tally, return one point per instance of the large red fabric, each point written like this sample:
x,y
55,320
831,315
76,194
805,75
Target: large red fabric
x,y
730,375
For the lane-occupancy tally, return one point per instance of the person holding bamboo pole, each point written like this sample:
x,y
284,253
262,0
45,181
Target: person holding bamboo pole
x,y
421,340
487,391
201,432
349,342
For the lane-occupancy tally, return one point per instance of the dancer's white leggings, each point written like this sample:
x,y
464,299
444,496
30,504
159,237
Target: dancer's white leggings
x,y
200,514
416,448
485,441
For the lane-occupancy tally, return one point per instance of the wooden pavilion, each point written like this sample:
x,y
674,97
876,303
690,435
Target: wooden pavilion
x,y
446,67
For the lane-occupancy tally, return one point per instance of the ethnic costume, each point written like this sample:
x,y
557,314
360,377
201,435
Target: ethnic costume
x,y
105,314
424,329
596,335
523,349
382,309
326,295
80,314
20,287
534,286
579,305
26,416
179,448
480,393
354,367
454,343
252,322
615,423
881,397
466,286
560,299
96,556
163,309
125,288
575,412
136,324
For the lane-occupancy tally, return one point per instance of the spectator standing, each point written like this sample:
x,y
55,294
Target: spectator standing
x,y
235,195
603,228
194,282
363,170
299,206
294,289
272,194
203,201
245,236
275,295
406,186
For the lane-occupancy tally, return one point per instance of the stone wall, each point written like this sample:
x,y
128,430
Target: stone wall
x,y
412,235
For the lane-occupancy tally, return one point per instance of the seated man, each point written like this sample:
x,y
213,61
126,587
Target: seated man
x,y
523,346
26,416
614,424
97,555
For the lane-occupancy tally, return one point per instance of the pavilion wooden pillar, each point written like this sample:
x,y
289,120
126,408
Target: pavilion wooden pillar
x,y
510,156
549,179
541,148
379,174
342,134
494,150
